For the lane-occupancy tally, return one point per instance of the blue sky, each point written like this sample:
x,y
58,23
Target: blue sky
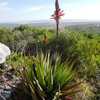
x,y
24,10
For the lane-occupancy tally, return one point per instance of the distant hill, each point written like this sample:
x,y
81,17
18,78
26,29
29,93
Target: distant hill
x,y
50,23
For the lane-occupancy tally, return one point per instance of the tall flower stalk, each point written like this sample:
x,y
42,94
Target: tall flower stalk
x,y
57,15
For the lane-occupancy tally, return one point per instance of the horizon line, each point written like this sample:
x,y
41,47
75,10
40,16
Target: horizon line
x,y
50,20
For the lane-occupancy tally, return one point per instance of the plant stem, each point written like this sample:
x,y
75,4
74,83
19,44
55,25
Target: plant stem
x,y
57,28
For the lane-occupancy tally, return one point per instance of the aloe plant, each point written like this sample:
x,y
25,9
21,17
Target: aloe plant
x,y
45,77
49,79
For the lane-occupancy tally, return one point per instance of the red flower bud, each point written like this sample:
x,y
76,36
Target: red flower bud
x,y
68,98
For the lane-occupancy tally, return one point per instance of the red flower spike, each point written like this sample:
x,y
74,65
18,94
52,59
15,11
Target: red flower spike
x,y
58,13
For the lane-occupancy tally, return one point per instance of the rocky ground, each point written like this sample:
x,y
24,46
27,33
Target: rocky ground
x,y
9,81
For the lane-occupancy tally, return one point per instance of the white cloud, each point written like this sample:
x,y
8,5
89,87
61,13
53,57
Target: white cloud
x,y
90,12
28,10
4,7
25,13
36,8
5,10
3,4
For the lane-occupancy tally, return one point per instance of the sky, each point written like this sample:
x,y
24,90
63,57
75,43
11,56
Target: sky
x,y
27,10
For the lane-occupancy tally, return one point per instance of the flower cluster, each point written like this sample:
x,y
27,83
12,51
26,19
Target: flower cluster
x,y
57,15
58,12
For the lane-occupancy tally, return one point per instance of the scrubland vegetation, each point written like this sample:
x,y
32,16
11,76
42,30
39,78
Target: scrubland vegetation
x,y
51,64
52,68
